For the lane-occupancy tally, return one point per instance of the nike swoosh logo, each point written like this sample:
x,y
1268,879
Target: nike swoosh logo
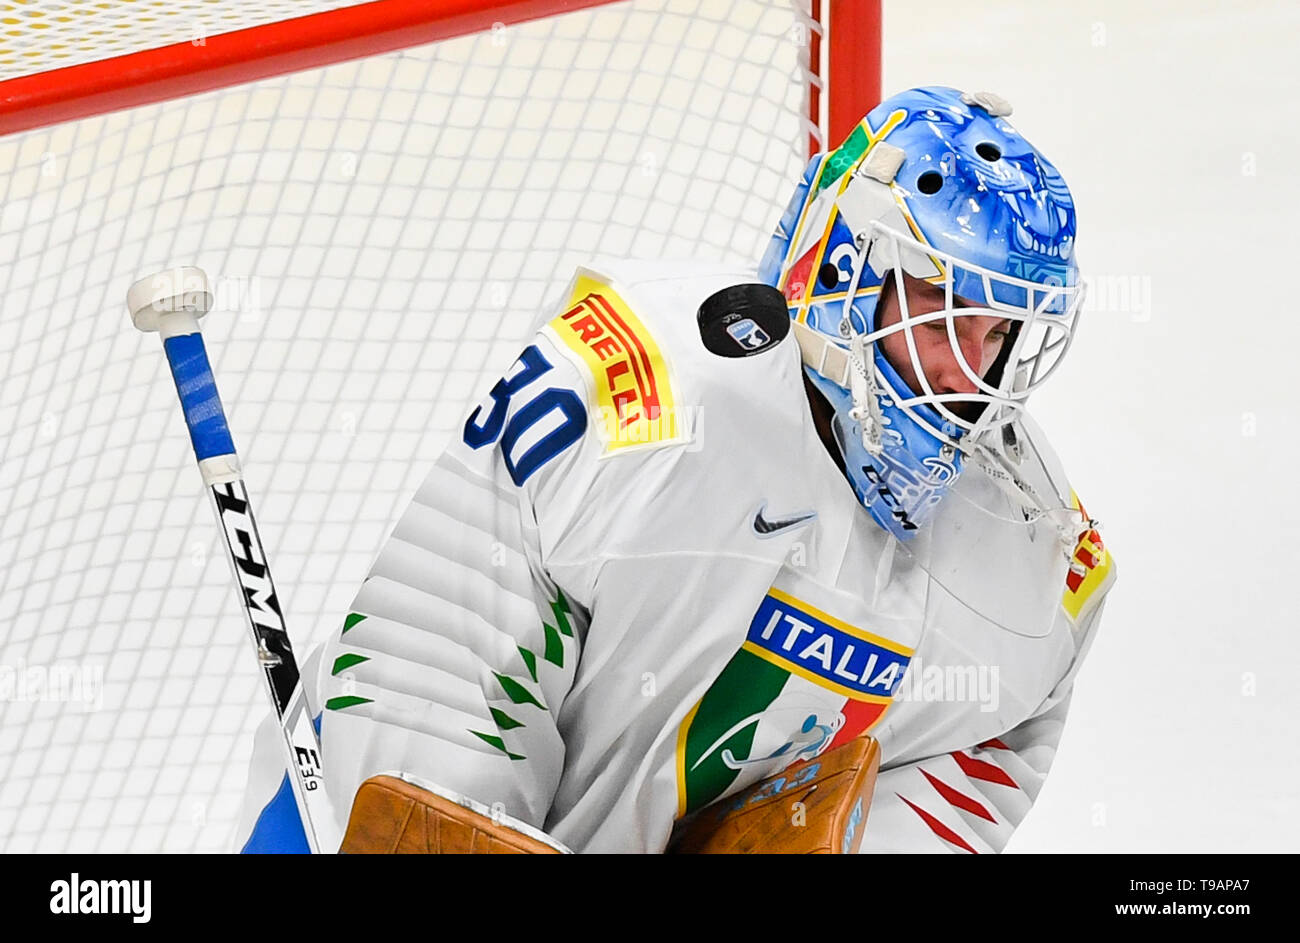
x,y
769,528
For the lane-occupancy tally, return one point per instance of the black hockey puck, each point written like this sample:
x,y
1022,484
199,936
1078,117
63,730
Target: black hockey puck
x,y
743,320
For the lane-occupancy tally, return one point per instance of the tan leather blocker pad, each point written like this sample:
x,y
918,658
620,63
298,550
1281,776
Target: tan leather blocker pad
x,y
814,807
390,816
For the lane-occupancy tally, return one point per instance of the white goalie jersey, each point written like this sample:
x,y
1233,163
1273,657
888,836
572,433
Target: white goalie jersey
x,y
636,582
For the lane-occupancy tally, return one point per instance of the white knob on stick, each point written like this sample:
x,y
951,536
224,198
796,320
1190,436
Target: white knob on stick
x,y
170,302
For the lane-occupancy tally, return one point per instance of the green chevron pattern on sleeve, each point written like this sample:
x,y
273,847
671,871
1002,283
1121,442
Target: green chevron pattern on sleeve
x,y
504,720
517,693
530,660
554,652
497,742
555,634
346,661
562,612
350,700
352,619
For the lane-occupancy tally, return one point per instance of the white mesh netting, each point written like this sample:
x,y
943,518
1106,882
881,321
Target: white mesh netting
x,y
381,235
38,35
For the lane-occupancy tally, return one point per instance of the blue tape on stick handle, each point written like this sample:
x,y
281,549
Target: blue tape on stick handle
x,y
198,391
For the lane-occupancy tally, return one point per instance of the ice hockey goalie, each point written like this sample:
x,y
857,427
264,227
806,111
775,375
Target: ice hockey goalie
x,y
714,521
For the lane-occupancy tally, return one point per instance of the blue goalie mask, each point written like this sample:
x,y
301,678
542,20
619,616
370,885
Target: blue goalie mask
x,y
932,186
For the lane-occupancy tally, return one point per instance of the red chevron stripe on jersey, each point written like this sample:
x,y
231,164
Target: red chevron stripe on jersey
x,y
943,831
979,769
958,799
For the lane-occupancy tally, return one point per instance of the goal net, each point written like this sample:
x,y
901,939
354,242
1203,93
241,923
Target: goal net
x,y
381,234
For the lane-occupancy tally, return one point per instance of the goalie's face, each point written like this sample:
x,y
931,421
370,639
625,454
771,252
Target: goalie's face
x,y
975,338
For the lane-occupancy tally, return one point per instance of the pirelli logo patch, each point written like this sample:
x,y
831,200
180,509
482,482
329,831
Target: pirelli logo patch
x,y
789,633
633,394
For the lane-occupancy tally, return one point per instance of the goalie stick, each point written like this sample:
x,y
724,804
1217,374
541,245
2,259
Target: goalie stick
x,y
171,303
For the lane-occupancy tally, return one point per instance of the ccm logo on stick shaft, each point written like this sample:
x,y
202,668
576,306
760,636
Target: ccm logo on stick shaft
x,y
171,304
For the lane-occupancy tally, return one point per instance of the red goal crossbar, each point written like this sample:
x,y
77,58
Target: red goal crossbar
x,y
851,72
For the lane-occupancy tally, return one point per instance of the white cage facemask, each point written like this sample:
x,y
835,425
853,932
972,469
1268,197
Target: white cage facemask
x,y
1042,320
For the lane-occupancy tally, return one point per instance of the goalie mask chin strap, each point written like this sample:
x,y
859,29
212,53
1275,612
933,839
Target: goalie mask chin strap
x,y
848,369
824,356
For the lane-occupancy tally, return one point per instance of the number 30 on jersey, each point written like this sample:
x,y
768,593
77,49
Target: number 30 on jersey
x,y
559,414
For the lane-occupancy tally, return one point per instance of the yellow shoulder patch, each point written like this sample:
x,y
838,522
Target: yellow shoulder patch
x,y
631,384
1084,590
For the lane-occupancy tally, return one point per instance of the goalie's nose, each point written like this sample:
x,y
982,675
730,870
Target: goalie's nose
x,y
946,374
